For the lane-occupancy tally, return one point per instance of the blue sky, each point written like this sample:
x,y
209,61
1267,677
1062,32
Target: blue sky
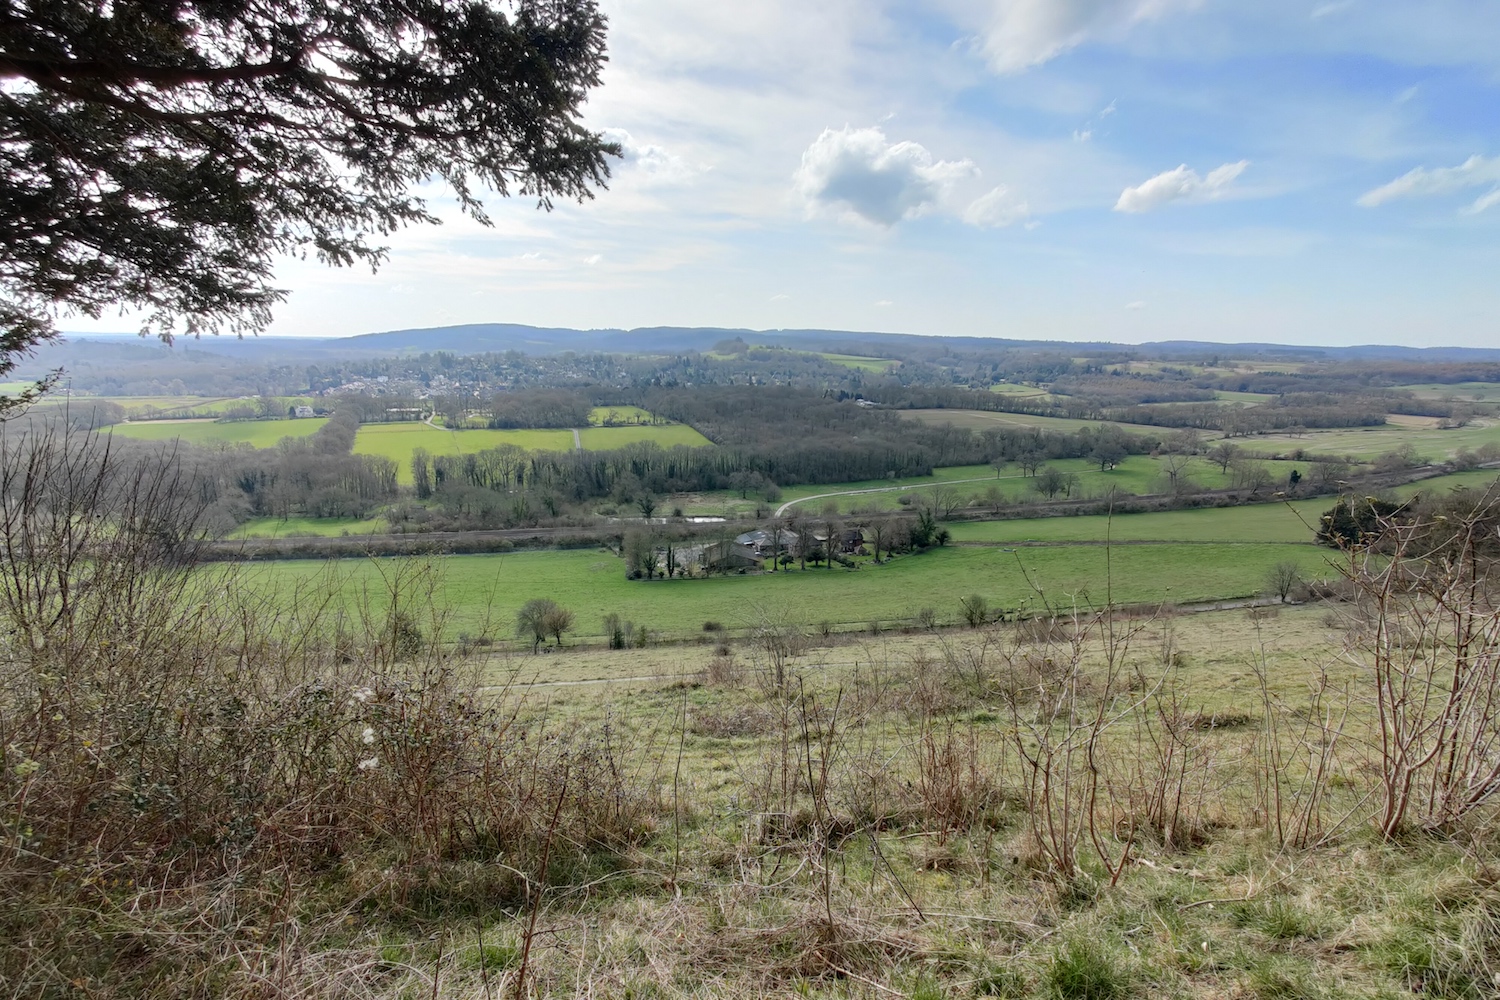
x,y
1305,171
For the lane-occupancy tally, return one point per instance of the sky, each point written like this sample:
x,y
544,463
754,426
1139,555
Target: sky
x,y
1297,171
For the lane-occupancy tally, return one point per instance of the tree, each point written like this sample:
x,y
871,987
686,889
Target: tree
x,y
160,157
976,610
1224,453
1357,521
539,618
558,620
1282,578
646,503
1175,465
1108,454
1050,482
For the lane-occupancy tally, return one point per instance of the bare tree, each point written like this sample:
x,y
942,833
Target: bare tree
x,y
1282,579
1224,453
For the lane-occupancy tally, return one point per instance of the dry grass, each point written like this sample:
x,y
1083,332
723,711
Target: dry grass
x,y
209,798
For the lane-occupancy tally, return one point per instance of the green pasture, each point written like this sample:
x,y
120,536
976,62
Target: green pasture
x,y
1370,442
325,527
600,415
137,406
860,363
1138,474
666,435
482,593
398,441
259,433
981,420
1286,523
1467,391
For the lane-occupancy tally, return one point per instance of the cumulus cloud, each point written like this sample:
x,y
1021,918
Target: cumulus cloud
x,y
1180,184
860,172
1476,171
652,163
1026,33
996,210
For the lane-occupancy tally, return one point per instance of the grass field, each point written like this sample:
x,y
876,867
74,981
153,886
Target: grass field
x,y
489,589
1468,391
619,415
860,363
979,420
1262,523
259,433
326,527
1139,474
1290,522
1369,442
136,406
666,435
398,441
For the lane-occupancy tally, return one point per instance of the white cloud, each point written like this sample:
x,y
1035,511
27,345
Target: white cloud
x,y
883,303
996,210
1180,184
1025,33
1476,171
1135,306
593,259
1486,201
651,163
780,297
859,172
1336,7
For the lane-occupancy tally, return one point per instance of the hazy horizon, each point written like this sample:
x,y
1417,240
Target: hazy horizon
x,y
1316,173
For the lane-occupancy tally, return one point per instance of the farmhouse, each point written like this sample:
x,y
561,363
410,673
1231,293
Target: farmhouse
x,y
765,543
719,557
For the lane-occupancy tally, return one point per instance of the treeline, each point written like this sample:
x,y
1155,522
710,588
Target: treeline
x,y
766,437
1303,410
1128,390
540,408
315,476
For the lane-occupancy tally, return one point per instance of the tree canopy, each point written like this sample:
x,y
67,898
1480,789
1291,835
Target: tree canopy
x,y
159,156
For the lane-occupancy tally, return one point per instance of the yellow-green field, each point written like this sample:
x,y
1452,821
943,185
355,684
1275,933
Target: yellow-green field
x,y
666,435
860,363
484,591
398,441
1369,442
601,416
260,433
1467,391
980,420
291,527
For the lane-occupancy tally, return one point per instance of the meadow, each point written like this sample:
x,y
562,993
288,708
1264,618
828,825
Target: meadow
x,y
137,407
860,363
599,416
665,435
258,433
399,440
324,527
1421,433
980,420
1469,391
482,593
1138,474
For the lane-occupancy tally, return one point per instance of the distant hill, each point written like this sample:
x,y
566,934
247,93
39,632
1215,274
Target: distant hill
x,y
476,338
